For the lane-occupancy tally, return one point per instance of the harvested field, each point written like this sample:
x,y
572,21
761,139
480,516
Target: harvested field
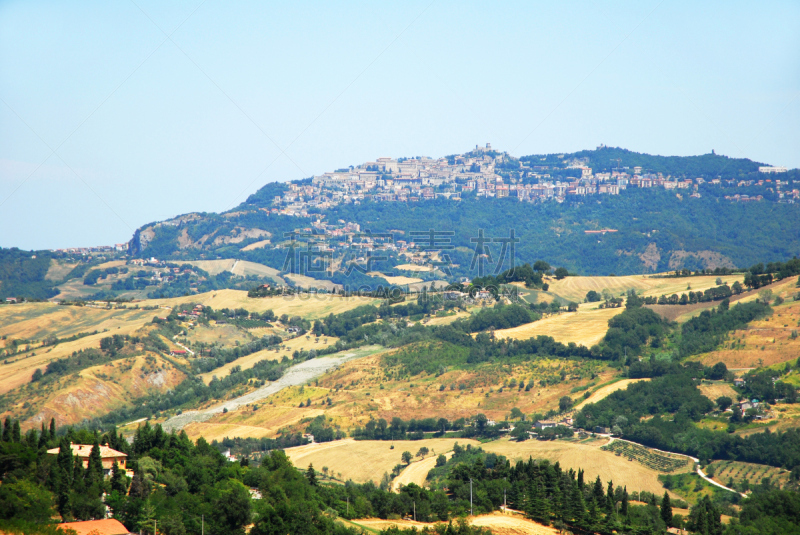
x,y
289,347
256,245
309,306
498,523
576,288
365,460
213,267
399,280
243,268
605,391
716,390
575,455
586,327
309,282
417,471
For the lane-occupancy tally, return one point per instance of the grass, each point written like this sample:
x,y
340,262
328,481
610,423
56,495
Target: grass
x,y
715,390
586,327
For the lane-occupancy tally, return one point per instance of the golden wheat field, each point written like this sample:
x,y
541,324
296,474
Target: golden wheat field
x,y
589,457
605,391
716,390
575,288
365,460
586,327
398,280
309,306
498,523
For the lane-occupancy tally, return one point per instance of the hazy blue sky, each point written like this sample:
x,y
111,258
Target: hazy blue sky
x,y
115,114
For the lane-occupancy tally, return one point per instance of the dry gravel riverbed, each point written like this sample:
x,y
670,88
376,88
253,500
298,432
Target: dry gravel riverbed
x,y
296,375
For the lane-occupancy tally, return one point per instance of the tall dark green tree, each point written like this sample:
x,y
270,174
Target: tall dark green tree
x,y
666,510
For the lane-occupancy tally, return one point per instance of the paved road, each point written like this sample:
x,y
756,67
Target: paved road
x,y
296,375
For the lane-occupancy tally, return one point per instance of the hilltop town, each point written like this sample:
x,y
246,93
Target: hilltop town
x,y
487,173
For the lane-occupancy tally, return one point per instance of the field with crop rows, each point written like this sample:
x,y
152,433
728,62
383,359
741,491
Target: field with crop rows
x,y
656,461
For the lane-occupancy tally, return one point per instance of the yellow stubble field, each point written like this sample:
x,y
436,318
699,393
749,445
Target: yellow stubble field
x,y
586,327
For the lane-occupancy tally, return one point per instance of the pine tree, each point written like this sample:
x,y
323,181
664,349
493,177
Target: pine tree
x,y
52,428
537,505
594,515
581,484
666,510
311,475
16,433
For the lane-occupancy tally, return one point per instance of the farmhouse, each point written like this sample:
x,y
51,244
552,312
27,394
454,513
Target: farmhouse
x,y
544,424
738,382
108,456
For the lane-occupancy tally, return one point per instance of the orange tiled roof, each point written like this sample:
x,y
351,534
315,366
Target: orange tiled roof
x,y
108,526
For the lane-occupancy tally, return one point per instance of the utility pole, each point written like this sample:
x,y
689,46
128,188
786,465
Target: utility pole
x,y
155,526
202,525
415,510
505,504
348,506
470,497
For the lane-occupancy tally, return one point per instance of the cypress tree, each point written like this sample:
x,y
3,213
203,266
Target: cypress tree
x,y
94,471
581,484
610,496
666,510
623,509
78,475
16,433
118,482
52,428
64,458
598,491
43,435
7,430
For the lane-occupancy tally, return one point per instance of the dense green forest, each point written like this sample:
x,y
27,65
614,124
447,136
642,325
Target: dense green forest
x,y
22,274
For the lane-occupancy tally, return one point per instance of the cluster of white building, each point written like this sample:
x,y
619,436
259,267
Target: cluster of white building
x,y
422,178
